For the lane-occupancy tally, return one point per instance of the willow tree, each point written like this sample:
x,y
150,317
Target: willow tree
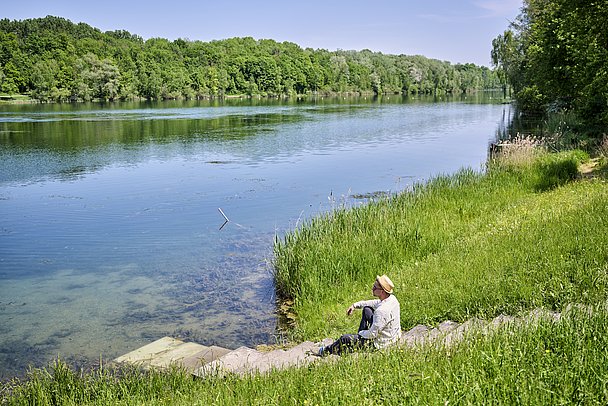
x,y
503,52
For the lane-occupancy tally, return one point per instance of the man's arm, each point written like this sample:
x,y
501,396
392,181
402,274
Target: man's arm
x,y
361,304
379,323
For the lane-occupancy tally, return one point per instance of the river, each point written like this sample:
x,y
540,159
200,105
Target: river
x,y
112,227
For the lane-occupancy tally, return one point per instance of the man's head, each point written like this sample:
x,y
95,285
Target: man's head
x,y
383,287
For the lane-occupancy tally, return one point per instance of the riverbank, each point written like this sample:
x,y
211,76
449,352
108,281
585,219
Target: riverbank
x,y
456,247
26,99
16,99
529,233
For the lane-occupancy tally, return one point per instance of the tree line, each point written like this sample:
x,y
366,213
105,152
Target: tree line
x,y
53,59
554,56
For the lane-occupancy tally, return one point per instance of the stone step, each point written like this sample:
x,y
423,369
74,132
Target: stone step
x,y
201,360
177,354
149,351
192,363
246,360
300,355
236,361
168,351
462,331
417,335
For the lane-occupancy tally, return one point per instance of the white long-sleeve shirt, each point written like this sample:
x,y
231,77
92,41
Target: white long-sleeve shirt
x,y
386,327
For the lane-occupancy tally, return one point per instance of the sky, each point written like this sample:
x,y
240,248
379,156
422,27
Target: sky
x,y
458,31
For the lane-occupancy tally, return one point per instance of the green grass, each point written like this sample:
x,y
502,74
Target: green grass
x,y
524,235
13,98
550,363
471,244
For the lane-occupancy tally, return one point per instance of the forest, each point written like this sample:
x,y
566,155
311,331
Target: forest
x,y
53,59
555,58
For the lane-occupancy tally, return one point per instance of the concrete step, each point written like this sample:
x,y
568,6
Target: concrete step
x,y
177,354
463,331
202,361
246,360
209,354
236,361
144,354
417,335
168,351
300,355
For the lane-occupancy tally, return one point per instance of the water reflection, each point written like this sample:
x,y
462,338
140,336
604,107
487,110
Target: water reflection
x,y
514,122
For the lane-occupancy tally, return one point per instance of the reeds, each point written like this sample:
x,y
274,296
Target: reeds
x,y
603,148
519,151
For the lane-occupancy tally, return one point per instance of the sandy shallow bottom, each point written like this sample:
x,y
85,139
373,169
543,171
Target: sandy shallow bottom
x,y
82,316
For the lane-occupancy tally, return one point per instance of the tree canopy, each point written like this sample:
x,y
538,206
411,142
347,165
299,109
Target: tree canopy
x,y
54,59
555,56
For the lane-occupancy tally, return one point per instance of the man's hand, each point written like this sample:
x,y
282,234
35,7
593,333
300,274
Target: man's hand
x,y
350,311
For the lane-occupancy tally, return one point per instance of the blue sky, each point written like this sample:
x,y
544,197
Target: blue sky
x,y
451,30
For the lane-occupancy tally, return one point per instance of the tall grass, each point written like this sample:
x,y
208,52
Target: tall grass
x,y
545,362
465,245
562,130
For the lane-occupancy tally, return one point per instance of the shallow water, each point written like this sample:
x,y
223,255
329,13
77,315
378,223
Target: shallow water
x,y
110,234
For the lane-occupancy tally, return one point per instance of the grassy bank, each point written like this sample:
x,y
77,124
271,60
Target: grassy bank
x,y
15,98
526,234
545,363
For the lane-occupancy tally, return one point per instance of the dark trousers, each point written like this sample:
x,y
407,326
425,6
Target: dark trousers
x,y
350,342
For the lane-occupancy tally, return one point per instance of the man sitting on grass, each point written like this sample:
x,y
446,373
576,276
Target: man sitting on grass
x,y
380,321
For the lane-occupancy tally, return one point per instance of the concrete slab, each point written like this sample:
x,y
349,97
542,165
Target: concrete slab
x,y
209,354
147,352
465,329
167,351
236,361
278,359
447,326
415,336
177,354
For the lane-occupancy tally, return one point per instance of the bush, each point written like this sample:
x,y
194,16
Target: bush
x,y
530,100
554,170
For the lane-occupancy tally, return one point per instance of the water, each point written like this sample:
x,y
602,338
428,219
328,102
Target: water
x,y
110,233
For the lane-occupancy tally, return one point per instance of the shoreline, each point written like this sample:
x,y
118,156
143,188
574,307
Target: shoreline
x,y
25,99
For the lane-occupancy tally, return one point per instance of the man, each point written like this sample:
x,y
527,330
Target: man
x,y
380,321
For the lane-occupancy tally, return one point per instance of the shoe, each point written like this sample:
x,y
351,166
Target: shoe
x,y
321,352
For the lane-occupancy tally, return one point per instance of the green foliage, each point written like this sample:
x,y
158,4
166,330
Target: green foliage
x,y
503,53
56,60
555,53
530,100
554,170
563,130
96,79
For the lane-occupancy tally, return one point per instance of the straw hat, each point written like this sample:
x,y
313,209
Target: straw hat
x,y
386,284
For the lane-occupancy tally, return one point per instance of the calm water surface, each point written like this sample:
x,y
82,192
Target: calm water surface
x,y
110,233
